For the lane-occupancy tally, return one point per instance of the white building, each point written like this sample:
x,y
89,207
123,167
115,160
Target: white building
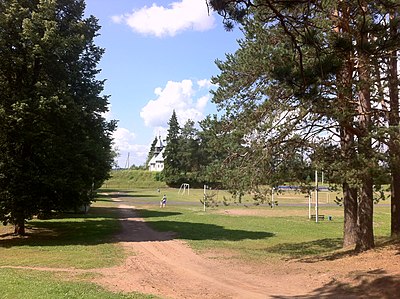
x,y
157,161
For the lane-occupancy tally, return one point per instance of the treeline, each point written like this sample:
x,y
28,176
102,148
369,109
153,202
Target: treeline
x,y
185,158
204,156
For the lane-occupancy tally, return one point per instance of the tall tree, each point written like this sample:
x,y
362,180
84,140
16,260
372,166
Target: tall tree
x,y
189,148
56,146
172,163
345,99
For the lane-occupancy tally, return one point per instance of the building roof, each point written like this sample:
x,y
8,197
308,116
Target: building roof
x,y
159,143
157,158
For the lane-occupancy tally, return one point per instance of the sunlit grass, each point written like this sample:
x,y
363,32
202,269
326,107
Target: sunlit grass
x,y
22,284
127,179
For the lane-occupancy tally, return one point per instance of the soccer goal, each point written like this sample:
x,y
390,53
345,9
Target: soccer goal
x,y
184,188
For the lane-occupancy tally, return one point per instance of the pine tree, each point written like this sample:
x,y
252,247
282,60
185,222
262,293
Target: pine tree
x,y
394,121
172,163
189,148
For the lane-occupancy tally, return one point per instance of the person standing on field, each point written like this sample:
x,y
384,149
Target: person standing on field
x,y
163,202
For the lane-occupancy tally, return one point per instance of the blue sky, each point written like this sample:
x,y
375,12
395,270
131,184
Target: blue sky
x,y
159,57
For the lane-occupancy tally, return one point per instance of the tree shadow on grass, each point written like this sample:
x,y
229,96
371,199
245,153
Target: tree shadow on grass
x,y
102,226
155,213
370,284
202,231
339,252
304,249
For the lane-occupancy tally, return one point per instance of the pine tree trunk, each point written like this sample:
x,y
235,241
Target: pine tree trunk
x,y
365,230
350,215
344,81
19,228
394,143
395,203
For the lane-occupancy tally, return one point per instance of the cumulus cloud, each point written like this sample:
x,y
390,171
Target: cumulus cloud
x,y
129,152
123,139
186,98
205,83
163,21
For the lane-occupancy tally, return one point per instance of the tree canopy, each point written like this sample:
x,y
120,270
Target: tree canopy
x,y
55,143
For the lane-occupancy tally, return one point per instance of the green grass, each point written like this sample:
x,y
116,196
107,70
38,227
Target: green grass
x,y
254,237
66,241
79,241
153,195
251,237
21,284
283,231
131,179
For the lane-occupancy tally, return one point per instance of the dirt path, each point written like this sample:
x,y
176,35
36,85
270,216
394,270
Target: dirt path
x,y
165,266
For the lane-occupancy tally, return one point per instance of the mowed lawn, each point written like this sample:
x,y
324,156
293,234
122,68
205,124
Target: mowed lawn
x,y
86,241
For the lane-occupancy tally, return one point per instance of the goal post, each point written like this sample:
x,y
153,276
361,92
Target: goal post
x,y
185,187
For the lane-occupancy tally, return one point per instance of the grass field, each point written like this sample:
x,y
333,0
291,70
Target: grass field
x,y
258,232
85,241
78,241
248,230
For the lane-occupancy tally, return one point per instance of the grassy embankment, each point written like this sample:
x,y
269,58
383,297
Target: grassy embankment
x,y
133,179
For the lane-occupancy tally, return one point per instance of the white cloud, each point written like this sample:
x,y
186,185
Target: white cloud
x,y
205,83
129,153
202,102
163,21
124,143
117,19
184,97
136,156
123,139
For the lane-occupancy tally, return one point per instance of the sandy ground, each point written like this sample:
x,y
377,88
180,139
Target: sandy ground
x,y
159,264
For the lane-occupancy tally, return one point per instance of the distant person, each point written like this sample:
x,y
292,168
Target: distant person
x,y
158,190
163,202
